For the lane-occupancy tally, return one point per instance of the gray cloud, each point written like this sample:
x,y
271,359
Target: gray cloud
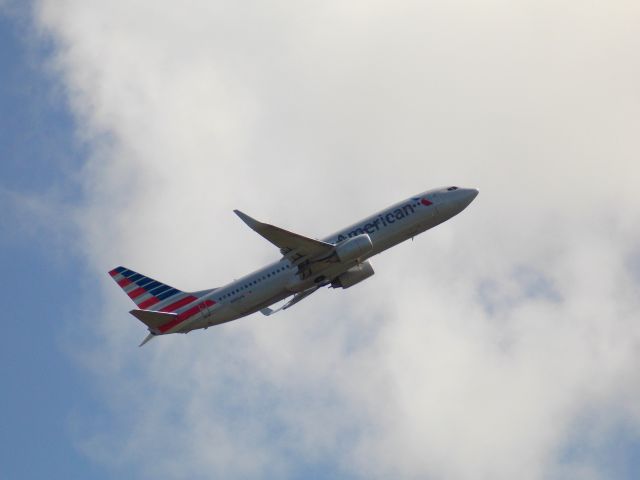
x,y
489,347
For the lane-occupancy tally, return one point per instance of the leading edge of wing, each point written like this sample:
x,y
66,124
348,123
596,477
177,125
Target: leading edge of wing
x,y
285,240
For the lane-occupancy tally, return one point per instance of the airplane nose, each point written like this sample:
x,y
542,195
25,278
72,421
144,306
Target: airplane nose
x,y
468,196
459,200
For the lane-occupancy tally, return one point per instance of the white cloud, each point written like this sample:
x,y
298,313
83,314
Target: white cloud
x,y
477,351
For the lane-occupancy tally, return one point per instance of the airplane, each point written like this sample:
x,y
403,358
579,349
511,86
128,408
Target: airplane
x,y
340,260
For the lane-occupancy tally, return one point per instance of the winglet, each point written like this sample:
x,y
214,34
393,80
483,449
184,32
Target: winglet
x,y
251,222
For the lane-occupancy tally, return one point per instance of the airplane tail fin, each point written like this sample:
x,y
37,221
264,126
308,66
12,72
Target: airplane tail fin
x,y
144,291
160,306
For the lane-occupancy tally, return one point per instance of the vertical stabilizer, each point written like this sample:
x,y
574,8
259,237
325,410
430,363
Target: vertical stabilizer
x,y
161,307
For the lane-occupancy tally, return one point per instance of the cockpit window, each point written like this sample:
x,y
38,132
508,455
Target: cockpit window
x,y
450,189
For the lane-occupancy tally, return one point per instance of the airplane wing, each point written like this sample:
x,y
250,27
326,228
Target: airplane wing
x,y
296,298
295,247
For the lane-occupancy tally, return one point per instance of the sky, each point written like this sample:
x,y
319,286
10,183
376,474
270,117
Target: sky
x,y
502,344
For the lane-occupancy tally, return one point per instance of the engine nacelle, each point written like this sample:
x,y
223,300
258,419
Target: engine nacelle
x,y
354,275
353,248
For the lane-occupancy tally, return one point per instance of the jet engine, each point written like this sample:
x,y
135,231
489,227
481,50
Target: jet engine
x,y
353,248
354,275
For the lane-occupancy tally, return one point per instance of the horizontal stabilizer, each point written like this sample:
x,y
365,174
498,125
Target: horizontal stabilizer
x,y
153,320
151,336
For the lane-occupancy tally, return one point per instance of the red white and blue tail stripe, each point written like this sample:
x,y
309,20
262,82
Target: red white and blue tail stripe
x,y
151,295
147,292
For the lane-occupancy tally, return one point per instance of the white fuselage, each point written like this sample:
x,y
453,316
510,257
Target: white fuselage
x,y
280,279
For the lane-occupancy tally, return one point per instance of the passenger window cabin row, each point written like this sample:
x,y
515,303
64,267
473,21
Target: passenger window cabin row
x,y
254,282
